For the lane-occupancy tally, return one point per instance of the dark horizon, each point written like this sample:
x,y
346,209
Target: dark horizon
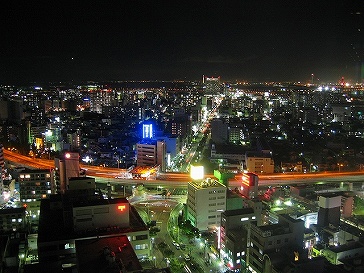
x,y
163,40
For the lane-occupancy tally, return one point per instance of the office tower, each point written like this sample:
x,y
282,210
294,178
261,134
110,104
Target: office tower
x,y
151,153
205,202
35,185
212,85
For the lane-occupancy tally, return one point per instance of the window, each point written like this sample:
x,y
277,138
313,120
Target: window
x,y
141,237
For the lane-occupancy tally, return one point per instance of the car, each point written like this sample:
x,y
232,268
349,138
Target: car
x,y
187,257
177,246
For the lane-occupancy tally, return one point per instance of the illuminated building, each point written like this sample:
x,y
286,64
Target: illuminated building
x,y
12,220
97,97
259,162
205,202
274,244
74,140
35,185
249,185
151,152
235,233
236,134
212,85
179,126
66,218
341,112
148,131
172,146
66,166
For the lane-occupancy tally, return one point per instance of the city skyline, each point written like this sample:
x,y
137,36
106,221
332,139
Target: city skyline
x,y
163,40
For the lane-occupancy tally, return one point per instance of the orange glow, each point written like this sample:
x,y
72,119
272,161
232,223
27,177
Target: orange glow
x,y
121,207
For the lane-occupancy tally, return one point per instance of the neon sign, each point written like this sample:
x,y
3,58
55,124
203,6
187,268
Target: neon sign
x,y
147,131
121,207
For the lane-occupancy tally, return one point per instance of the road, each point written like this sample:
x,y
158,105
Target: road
x,y
180,180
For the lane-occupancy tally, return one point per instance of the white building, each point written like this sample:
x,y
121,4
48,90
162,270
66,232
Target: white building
x,y
206,200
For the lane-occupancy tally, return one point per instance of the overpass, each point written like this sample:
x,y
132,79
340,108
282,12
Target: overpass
x,y
179,180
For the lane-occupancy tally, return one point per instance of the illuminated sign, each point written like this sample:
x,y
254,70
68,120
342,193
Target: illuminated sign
x,y
197,172
121,207
248,179
147,131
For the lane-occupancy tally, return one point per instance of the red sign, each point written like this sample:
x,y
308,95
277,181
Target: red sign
x,y
121,207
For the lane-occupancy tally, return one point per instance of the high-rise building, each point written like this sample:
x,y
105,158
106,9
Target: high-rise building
x,y
151,153
35,185
66,166
206,200
212,85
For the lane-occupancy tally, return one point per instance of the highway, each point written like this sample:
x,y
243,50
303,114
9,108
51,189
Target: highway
x,y
179,180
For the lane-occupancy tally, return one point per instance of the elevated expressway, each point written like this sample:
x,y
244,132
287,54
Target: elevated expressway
x,y
179,180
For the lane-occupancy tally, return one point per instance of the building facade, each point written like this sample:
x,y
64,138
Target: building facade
x,y
206,201
35,185
151,153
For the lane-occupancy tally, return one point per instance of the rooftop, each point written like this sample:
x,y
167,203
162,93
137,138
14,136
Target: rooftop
x,y
111,254
56,222
208,183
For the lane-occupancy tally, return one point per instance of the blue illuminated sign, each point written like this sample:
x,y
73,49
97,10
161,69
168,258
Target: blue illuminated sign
x,y
147,131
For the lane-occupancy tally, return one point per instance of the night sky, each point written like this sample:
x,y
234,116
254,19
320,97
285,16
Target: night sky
x,y
271,40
